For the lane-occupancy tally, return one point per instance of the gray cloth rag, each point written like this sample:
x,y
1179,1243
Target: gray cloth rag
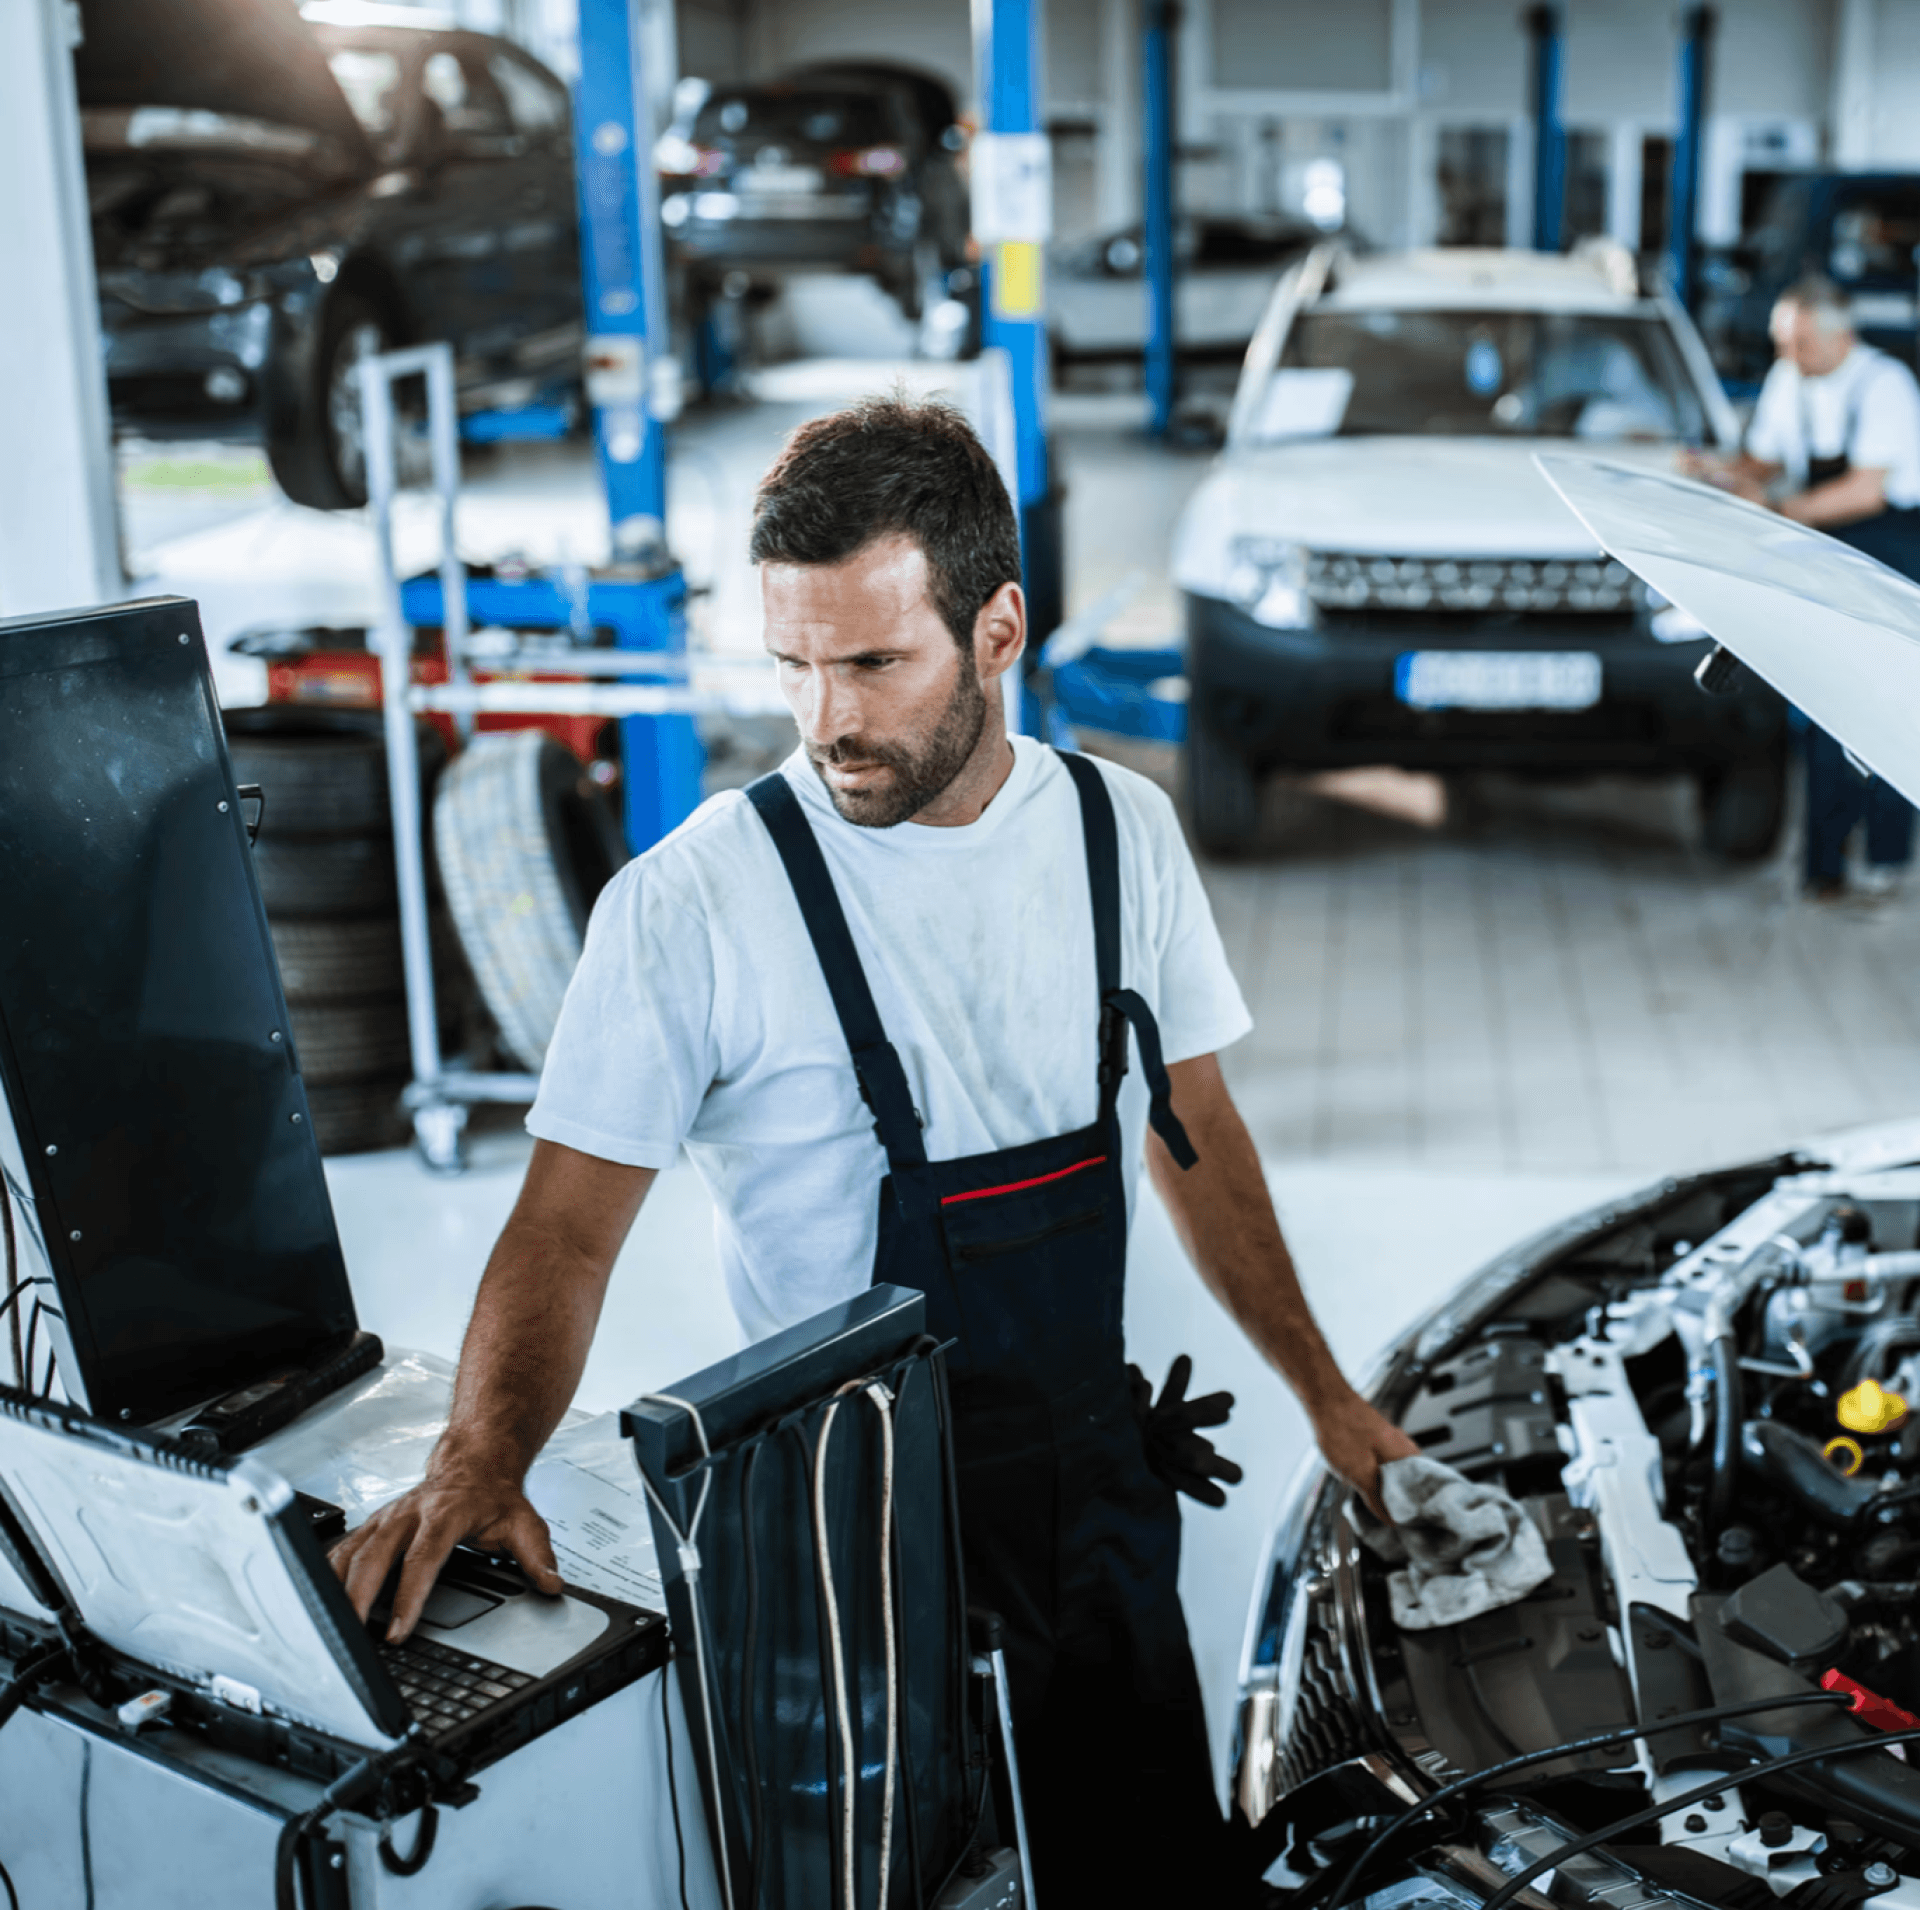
x,y
1467,1548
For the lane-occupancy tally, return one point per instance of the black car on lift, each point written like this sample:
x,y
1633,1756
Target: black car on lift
x,y
275,196
849,167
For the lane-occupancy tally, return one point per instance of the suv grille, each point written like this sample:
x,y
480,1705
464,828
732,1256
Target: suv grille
x,y
1595,586
1324,1731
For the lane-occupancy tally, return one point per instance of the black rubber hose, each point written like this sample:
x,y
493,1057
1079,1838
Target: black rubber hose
x,y
1573,1747
1768,1767
1728,1415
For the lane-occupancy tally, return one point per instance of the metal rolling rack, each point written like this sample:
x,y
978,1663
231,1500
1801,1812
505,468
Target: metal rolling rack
x,y
641,683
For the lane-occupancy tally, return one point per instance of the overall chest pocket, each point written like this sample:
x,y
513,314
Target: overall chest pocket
x,y
1037,1264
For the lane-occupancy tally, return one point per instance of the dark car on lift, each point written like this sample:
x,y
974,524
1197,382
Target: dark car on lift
x,y
1860,229
850,166
299,192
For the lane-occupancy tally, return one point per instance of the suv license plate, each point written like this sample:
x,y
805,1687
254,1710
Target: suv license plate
x,y
1498,679
783,179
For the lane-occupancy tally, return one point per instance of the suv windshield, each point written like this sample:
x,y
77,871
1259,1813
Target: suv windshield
x,y
811,119
1458,374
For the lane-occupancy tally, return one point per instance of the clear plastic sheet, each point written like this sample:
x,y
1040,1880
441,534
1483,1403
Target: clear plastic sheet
x,y
371,1442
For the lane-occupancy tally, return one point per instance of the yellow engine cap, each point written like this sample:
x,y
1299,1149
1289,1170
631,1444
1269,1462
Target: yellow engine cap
x,y
1870,1408
1844,1455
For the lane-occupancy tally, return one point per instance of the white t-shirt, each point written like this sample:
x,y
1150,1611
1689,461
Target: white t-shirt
x,y
699,1016
1868,407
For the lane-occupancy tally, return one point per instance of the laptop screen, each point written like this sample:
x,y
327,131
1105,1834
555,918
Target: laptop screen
x,y
203,1571
144,1047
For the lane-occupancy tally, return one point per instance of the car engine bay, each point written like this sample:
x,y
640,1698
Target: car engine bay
x,y
1708,1399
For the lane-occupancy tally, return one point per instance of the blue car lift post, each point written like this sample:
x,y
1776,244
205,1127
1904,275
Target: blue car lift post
x,y
1545,29
1126,692
644,608
640,597
1696,39
1012,213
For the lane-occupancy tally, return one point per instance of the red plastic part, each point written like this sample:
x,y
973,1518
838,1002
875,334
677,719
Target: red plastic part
x,y
1868,1706
350,680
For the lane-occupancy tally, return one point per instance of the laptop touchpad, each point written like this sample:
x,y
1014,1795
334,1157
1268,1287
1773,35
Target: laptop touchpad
x,y
450,1606
529,1633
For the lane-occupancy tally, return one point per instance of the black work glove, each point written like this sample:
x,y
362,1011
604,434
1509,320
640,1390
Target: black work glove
x,y
1170,1430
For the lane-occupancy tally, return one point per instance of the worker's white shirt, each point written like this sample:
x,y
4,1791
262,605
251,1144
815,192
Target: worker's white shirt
x,y
699,1014
1868,407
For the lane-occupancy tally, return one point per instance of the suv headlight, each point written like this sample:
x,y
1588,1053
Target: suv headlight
x,y
1267,578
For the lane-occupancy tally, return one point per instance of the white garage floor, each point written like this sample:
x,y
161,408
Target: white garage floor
x,y
1465,1029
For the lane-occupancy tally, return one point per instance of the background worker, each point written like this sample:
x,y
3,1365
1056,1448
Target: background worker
x,y
1835,443
884,999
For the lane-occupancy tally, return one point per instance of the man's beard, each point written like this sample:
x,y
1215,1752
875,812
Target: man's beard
x,y
922,769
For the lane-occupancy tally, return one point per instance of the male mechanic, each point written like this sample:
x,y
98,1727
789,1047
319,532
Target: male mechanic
x,y
1837,430
885,999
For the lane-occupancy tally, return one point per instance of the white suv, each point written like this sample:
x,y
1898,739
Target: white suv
x,y
1374,571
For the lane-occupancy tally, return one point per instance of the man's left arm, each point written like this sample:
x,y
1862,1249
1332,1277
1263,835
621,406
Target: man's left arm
x,y
1224,1215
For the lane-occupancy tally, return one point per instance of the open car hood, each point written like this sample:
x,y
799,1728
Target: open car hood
x,y
250,59
1833,631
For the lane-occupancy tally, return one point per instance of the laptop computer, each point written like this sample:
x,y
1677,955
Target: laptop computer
x,y
154,1122
203,1577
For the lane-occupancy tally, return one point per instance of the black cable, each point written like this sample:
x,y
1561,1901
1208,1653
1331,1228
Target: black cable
x,y
673,1783
352,1784
1769,1767
416,1861
15,1285
46,1385
33,1342
1573,1747
840,1889
749,1746
966,1843
6,1883
903,1688
86,1821
1724,1354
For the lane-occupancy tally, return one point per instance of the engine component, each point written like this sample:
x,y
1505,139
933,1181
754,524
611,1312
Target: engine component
x,y
1868,1706
1782,1614
1846,1456
1869,1408
1792,1462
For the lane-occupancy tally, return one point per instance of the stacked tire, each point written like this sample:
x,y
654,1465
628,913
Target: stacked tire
x,y
324,859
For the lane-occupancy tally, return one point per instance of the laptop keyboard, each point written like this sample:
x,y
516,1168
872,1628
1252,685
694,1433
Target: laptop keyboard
x,y
443,1688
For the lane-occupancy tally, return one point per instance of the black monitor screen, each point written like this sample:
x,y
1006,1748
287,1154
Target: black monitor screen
x,y
149,1071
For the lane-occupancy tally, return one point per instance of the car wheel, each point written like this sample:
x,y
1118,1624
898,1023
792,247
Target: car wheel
x,y
1742,806
1223,792
321,461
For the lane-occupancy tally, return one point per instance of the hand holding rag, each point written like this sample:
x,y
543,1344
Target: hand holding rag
x,y
1467,1547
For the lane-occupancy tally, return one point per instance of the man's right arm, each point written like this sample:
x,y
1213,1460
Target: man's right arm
x,y
526,1346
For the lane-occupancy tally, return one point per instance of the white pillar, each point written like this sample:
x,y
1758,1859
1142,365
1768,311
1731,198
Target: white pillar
x,y
1851,113
1117,183
59,532
1624,161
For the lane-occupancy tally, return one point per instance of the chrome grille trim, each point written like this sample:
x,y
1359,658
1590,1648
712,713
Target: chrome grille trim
x,y
1578,586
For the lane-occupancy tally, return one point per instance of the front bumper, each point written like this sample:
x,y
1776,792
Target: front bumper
x,y
1324,698
160,367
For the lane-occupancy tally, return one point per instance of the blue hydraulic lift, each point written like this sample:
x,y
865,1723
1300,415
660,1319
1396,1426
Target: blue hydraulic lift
x,y
641,597
1696,39
1012,175
1547,48
1163,19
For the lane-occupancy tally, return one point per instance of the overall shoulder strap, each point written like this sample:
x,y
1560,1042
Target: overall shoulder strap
x,y
876,1064
1119,1007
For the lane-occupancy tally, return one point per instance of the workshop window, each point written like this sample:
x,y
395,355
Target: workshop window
x,y
1471,177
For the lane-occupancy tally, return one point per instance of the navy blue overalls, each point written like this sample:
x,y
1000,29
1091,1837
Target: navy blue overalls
x,y
1066,1534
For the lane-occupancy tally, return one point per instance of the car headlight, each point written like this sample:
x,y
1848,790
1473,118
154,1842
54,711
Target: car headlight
x,y
1268,580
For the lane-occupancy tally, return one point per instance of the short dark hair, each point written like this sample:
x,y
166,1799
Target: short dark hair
x,y
893,466
1814,292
